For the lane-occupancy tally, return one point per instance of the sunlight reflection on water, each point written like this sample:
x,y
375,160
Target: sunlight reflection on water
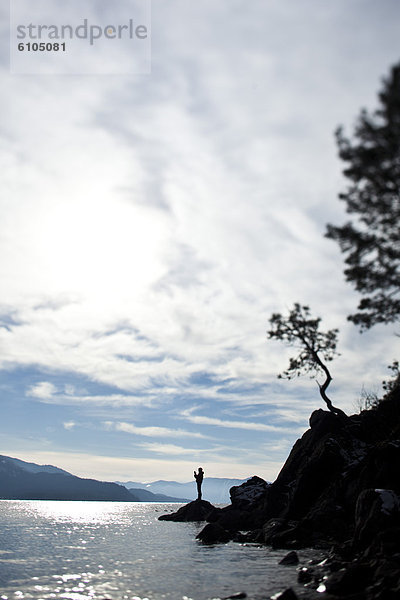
x,y
81,512
118,550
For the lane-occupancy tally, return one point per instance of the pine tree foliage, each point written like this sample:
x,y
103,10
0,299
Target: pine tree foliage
x,y
371,242
391,385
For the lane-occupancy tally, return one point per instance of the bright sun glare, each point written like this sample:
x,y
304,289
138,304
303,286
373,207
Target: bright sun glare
x,y
100,248
77,512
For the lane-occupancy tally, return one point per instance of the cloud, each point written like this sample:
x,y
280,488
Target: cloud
x,y
169,449
204,420
48,393
211,454
151,431
43,390
69,425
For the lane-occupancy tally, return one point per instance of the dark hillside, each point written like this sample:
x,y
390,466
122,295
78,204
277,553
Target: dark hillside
x,y
17,483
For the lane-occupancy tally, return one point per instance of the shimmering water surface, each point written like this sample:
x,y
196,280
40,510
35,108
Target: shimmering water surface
x,y
119,550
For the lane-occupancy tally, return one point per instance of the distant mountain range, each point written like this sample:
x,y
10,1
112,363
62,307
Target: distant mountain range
x,y
32,467
214,489
144,495
20,480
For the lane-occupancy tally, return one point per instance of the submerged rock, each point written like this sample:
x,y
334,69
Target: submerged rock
x,y
198,510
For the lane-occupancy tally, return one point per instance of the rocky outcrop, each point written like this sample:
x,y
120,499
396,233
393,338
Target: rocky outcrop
x,y
241,515
313,500
198,510
245,496
340,488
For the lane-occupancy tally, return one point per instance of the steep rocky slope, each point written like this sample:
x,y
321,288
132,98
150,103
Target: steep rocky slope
x,y
340,489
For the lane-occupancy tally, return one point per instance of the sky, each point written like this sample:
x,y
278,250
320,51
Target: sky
x,y
150,224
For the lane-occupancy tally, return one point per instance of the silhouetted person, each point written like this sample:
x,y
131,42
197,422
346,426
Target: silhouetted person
x,y
199,480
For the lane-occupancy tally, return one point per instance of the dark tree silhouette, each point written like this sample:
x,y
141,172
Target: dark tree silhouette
x,y
391,385
315,346
371,244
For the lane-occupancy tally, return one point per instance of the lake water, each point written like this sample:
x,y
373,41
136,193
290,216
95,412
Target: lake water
x,y
119,550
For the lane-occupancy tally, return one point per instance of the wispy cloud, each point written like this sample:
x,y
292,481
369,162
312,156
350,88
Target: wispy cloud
x,y
151,431
48,393
248,425
169,449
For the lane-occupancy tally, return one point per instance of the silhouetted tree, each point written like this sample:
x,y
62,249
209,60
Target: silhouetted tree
x,y
391,385
371,244
315,346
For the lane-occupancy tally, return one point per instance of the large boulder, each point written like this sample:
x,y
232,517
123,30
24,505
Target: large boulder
x,y
323,422
246,495
198,510
213,533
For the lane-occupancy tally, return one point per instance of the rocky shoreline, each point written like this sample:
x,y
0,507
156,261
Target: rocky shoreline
x,y
338,492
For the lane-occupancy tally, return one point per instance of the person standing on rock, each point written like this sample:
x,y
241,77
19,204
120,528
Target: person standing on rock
x,y
199,480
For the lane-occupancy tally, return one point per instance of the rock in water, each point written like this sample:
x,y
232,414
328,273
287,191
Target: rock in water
x,y
288,594
198,510
214,534
290,559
